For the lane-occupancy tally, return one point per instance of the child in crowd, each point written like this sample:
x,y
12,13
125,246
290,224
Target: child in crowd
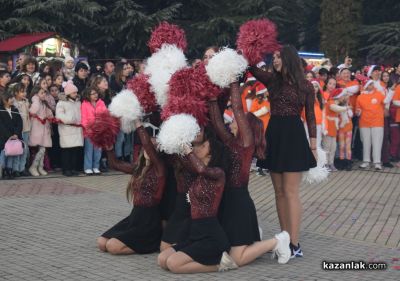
x,y
10,129
22,104
68,111
345,135
91,106
40,134
68,69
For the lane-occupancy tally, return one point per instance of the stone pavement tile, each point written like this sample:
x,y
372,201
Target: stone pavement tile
x,y
54,237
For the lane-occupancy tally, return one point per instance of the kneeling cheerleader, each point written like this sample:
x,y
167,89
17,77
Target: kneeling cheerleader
x,y
207,243
141,231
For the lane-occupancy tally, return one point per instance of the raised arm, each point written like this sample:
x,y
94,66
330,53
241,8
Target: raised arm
x,y
196,166
218,123
149,148
264,77
119,165
310,115
245,131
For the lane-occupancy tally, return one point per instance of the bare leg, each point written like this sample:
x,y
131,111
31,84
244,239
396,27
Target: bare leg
x,y
101,243
243,255
182,263
163,257
116,247
291,185
164,246
280,199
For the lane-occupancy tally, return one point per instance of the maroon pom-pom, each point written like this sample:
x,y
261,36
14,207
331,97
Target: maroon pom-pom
x,y
103,130
256,38
208,89
184,97
141,87
167,33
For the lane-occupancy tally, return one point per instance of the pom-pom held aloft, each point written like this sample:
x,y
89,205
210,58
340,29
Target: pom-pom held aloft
x,y
126,105
141,87
176,133
167,33
207,89
160,67
225,67
256,38
103,130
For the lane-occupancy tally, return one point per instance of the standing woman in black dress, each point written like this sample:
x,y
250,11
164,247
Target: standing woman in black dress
x,y
288,152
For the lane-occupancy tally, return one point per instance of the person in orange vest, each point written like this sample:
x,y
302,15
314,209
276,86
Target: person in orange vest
x,y
345,135
260,106
395,130
370,107
247,91
332,110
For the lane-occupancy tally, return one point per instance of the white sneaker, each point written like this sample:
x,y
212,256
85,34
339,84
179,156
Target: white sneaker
x,y
96,171
88,172
261,233
378,167
282,249
226,263
364,165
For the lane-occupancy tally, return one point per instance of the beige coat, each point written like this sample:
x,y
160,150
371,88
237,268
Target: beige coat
x,y
40,134
69,112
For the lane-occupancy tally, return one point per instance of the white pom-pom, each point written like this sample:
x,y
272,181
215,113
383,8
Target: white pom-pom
x,y
177,132
126,105
127,125
160,67
225,67
319,173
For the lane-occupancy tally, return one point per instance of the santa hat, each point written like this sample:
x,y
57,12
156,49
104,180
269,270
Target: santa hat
x,y
337,93
309,67
372,68
367,83
250,77
69,87
316,82
260,89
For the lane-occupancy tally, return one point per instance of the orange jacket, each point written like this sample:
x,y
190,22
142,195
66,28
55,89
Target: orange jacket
x,y
396,98
256,106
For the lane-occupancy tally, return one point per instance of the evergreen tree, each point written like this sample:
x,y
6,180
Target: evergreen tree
x,y
340,21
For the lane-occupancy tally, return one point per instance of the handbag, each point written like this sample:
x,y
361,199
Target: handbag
x,y
13,148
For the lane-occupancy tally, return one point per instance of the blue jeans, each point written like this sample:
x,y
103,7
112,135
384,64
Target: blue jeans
x,y
20,164
123,144
92,156
118,144
8,161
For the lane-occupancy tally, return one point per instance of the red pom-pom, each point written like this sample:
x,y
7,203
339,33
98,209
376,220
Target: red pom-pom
x,y
167,33
208,89
184,96
103,130
256,38
141,87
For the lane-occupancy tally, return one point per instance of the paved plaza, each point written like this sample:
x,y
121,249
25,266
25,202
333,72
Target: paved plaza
x,y
48,228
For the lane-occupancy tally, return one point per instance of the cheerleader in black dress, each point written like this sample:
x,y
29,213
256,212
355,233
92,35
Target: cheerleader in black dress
x,y
141,231
207,241
237,212
288,151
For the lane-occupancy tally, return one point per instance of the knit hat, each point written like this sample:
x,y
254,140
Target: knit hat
x,y
81,65
68,58
69,87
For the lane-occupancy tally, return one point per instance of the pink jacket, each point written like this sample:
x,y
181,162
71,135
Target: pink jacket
x,y
40,134
89,112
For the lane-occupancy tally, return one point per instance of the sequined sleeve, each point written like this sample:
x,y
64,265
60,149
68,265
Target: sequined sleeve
x,y
309,104
119,165
218,124
197,166
151,151
264,77
245,131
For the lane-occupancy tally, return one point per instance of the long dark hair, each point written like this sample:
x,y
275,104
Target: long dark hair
x,y
257,128
320,100
139,170
119,69
292,71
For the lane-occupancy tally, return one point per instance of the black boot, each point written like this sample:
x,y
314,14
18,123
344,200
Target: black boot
x,y
349,165
9,174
